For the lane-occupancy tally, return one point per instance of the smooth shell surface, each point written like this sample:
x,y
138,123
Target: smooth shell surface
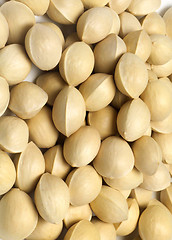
x,y
4,34
140,8
163,126
168,21
4,95
142,196
119,6
166,197
95,3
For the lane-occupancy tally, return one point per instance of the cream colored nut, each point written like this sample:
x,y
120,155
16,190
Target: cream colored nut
x,y
14,134
128,226
142,196
4,34
20,19
110,201
140,8
158,98
84,185
95,3
68,110
52,83
129,23
147,155
133,113
106,230
150,219
43,46
131,75
77,63
42,130
55,162
30,165
45,230
102,18
115,23
82,146
165,143
157,182
168,21
98,91
111,161
132,180
107,53
166,197
119,99
71,38
152,76
18,216
7,173
125,193
119,6
104,121
52,198
148,131
169,167
27,99
155,202
163,70
39,8
153,23
76,214
4,95
161,49
64,11
139,43
82,230
14,63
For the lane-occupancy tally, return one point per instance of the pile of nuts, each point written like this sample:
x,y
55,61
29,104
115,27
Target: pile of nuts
x,y
85,149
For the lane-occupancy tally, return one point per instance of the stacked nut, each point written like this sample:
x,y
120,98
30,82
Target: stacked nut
x,y
87,145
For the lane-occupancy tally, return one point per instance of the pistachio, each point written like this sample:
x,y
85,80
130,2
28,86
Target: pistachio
x,y
142,196
4,95
119,99
140,8
119,6
4,34
168,20
95,3
166,197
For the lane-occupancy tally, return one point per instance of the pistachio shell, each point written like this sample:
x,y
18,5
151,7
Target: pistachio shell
x,y
119,99
129,82
52,198
95,3
163,70
14,134
140,8
107,53
133,113
55,162
30,165
77,56
82,147
18,216
168,21
60,11
82,230
103,22
147,155
110,201
76,214
20,19
139,43
52,83
142,196
43,46
7,173
42,130
98,91
71,38
4,34
166,197
132,180
4,95
111,161
68,110
14,63
106,230
128,226
119,6
45,230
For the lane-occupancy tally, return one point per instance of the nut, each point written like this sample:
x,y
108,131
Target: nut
x,y
4,30
4,95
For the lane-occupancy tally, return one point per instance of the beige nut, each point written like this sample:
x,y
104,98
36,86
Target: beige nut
x,y
14,63
144,7
111,162
69,110
20,19
152,76
98,91
110,201
77,63
163,70
7,173
142,196
42,130
14,134
30,165
148,131
71,38
119,99
4,95
17,208
107,53
166,197
119,6
115,23
43,46
64,11
125,193
4,34
52,198
131,75
95,3
168,20
133,113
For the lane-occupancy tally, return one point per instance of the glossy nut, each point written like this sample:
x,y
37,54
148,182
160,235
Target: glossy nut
x,y
4,95
4,34
140,8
